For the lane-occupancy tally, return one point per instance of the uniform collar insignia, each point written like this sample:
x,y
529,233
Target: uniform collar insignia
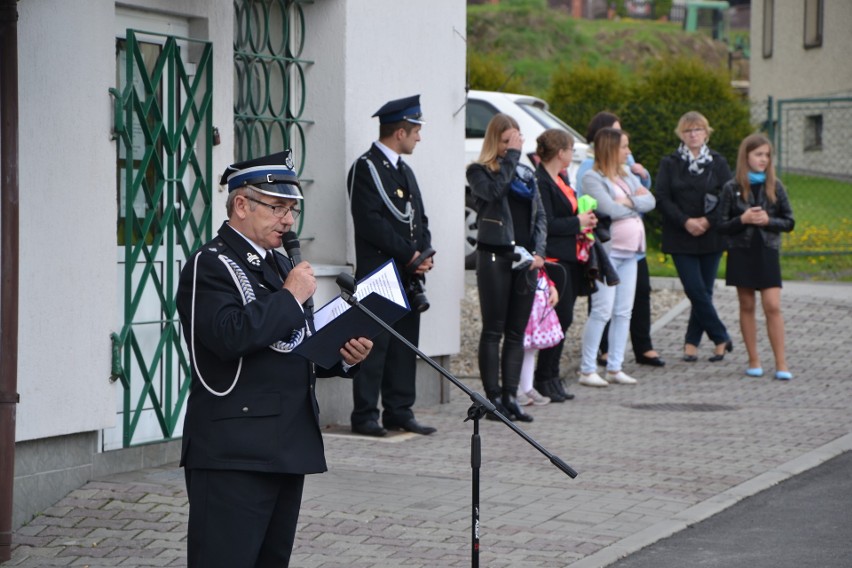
x,y
253,259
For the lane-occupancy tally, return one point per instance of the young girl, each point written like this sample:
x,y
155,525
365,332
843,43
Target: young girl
x,y
536,333
754,211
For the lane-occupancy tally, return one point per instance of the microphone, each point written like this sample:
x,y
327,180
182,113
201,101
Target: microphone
x,y
294,251
347,285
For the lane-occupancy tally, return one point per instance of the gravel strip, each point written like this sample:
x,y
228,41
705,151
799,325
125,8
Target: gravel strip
x,y
464,364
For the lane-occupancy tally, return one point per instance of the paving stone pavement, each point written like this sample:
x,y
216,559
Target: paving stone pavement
x,y
688,441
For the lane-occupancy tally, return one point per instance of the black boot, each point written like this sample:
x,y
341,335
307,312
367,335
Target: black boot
x,y
512,406
556,395
546,389
559,387
498,405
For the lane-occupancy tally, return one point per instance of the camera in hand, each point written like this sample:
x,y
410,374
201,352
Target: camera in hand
x,y
415,291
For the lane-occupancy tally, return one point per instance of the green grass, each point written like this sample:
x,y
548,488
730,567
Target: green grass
x,y
819,248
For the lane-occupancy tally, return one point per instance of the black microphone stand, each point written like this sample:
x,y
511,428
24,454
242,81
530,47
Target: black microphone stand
x,y
477,410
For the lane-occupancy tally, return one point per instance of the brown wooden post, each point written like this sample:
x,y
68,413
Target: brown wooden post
x,y
9,192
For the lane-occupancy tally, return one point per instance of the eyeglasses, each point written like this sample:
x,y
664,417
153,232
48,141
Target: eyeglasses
x,y
694,130
278,210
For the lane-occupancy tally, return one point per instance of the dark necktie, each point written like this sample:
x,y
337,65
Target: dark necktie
x,y
270,260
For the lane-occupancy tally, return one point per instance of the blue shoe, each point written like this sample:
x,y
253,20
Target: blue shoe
x,y
755,372
783,375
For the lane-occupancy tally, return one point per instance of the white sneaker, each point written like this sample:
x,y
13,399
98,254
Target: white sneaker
x,y
523,399
620,378
537,398
592,380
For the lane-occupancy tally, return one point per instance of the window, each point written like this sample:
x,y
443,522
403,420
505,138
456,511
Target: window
x,y
477,116
813,23
813,132
768,27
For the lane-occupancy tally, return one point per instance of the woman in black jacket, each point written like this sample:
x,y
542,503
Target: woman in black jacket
x,y
556,149
688,188
754,211
510,216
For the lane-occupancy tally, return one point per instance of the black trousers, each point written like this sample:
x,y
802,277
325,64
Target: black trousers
x,y
241,519
640,321
505,302
567,278
391,369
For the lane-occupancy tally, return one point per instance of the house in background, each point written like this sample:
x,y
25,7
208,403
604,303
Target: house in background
x,y
801,81
128,113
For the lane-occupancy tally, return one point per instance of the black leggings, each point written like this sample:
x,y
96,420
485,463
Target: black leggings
x,y
505,302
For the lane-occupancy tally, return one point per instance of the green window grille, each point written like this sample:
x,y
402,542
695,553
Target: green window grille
x,y
269,79
162,125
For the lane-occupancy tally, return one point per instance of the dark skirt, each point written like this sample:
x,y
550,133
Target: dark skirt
x,y
757,266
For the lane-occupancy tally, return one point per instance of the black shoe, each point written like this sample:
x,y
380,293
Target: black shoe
x,y
369,428
720,356
499,407
559,387
689,358
652,361
411,425
511,404
548,389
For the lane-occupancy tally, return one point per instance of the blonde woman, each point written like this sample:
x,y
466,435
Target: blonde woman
x,y
510,215
689,183
621,196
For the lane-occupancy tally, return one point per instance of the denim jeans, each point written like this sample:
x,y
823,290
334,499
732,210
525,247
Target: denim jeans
x,y
697,273
610,302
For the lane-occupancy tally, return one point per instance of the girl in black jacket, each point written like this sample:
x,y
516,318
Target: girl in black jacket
x,y
755,211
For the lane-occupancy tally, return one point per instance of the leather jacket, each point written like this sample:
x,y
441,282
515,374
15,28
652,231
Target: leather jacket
x,y
732,206
491,190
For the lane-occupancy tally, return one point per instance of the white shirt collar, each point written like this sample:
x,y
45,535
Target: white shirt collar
x,y
392,156
260,250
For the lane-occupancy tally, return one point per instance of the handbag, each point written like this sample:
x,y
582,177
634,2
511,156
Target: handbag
x,y
543,328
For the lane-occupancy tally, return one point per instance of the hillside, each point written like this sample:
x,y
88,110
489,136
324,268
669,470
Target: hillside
x,y
528,43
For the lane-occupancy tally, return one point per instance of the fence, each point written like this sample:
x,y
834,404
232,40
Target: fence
x,y
814,160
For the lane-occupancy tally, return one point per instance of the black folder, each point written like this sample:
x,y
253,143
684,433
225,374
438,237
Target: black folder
x,y
323,347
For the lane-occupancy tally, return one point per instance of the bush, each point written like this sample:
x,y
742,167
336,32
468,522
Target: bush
x,y
578,94
667,91
650,109
488,75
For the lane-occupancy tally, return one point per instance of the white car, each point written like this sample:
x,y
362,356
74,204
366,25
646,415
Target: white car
x,y
533,118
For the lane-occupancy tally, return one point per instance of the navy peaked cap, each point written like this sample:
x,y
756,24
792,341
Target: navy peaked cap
x,y
272,175
401,109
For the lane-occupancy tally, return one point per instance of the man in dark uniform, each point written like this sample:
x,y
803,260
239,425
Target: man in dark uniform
x,y
389,221
251,431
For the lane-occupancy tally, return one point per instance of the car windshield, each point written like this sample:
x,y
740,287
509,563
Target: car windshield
x,y
548,119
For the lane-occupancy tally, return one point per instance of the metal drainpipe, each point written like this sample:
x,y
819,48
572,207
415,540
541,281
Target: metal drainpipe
x,y
9,239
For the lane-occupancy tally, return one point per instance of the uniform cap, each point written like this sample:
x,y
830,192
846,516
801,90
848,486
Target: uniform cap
x,y
401,109
271,175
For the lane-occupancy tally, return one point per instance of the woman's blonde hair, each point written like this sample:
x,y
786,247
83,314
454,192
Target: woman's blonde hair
x,y
693,119
607,147
551,141
498,124
747,146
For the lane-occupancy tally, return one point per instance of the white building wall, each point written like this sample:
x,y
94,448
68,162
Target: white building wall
x,y
793,71
367,54
67,217
364,54
68,298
